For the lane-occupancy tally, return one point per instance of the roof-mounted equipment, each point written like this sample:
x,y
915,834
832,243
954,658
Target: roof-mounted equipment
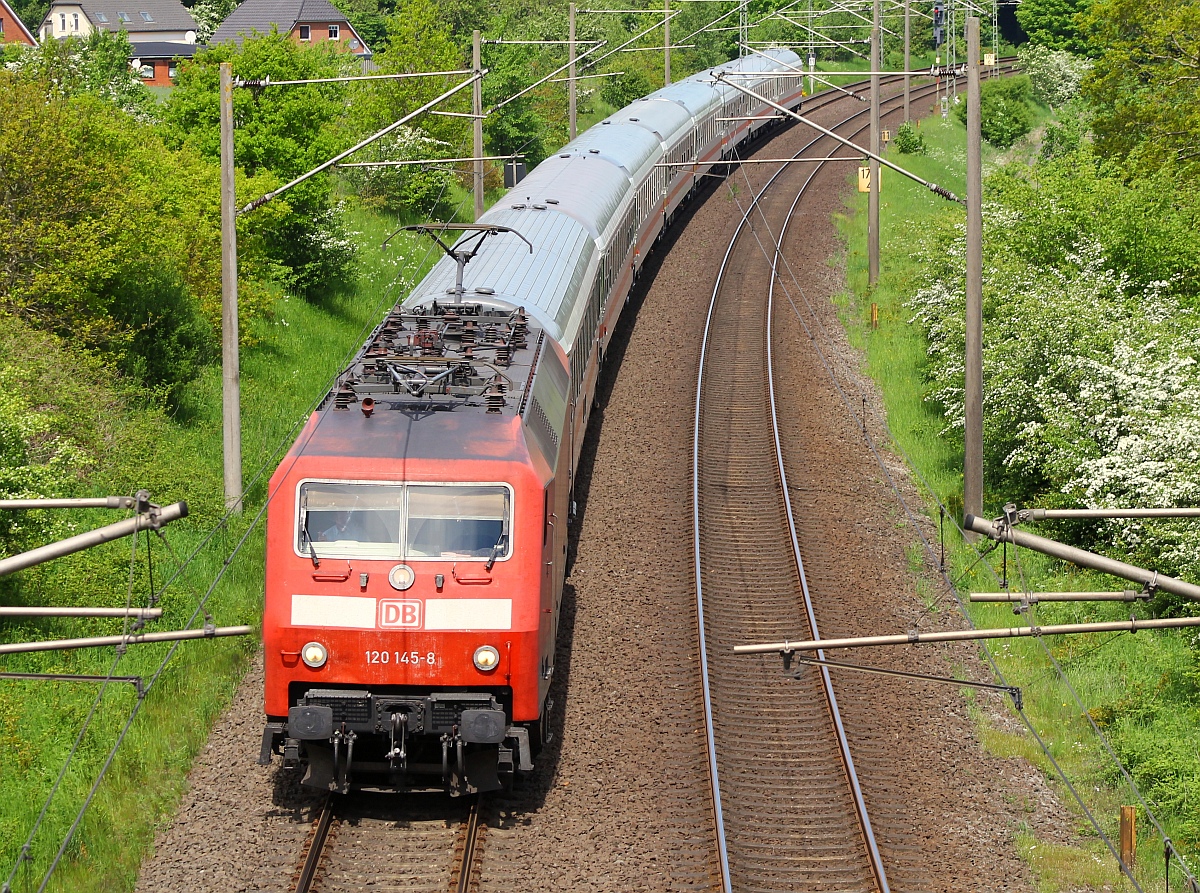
x,y
465,249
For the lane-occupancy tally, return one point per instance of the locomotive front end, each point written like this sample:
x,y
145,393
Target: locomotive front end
x,y
412,568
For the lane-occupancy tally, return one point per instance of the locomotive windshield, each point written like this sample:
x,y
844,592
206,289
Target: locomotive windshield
x,y
383,520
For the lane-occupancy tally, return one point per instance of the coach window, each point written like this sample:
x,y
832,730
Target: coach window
x,y
457,521
335,32
349,520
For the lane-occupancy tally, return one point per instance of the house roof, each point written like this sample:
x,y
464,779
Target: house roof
x,y
11,16
260,15
162,49
135,16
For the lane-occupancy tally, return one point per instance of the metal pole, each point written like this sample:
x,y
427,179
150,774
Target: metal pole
x,y
1055,549
102,502
973,380
666,43
78,543
477,108
572,101
1128,595
873,198
907,60
1058,514
231,400
966,635
138,613
141,638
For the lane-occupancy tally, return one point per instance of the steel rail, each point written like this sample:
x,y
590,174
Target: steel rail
x,y
470,846
722,845
827,683
714,775
316,848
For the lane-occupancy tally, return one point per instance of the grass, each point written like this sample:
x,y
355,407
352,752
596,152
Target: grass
x,y
298,351
1141,690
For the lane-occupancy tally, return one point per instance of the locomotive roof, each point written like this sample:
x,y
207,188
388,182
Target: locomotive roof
x,y
454,352
509,273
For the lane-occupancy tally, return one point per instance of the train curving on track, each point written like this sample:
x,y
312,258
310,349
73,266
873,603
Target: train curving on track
x,y
416,539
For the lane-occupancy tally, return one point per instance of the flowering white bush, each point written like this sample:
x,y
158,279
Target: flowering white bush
x,y
1055,74
98,65
1091,386
208,15
420,190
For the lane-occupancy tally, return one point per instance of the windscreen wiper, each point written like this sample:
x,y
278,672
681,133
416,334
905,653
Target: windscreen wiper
x,y
312,550
503,538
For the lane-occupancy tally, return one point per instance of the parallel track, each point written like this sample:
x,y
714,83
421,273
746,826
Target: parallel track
x,y
790,812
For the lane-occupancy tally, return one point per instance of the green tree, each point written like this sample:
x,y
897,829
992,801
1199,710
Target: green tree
x,y
1144,87
1055,23
102,243
97,64
369,18
1004,112
31,12
516,128
621,90
281,132
417,41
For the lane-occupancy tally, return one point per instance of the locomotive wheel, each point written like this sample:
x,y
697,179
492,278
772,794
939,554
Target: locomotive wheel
x,y
539,731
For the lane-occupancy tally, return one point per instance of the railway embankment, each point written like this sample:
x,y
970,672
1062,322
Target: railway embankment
x,y
1089,341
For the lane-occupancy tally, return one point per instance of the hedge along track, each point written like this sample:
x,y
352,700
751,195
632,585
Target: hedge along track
x,y
384,843
790,811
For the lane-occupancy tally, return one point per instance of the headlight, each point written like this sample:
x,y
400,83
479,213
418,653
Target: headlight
x,y
401,577
314,654
486,658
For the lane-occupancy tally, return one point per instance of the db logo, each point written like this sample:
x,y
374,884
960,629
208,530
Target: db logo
x,y
399,614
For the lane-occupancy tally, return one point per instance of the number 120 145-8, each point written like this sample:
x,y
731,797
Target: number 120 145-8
x,y
401,657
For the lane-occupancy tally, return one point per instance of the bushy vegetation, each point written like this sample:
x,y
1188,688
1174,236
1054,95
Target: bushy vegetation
x,y
909,139
97,244
1090,337
1004,110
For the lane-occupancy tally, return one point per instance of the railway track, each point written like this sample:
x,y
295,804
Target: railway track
x,y
773,839
377,843
791,812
